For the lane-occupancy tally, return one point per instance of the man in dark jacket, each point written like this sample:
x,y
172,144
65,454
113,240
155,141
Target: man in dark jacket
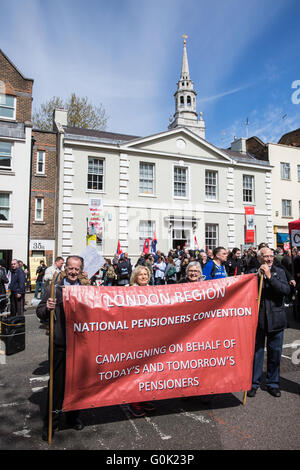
x,y
39,283
73,269
3,280
17,289
271,323
123,272
234,264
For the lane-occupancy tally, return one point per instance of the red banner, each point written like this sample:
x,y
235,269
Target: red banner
x,y
294,231
128,344
250,227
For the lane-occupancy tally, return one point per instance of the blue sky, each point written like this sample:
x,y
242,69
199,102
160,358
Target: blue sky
x,y
126,54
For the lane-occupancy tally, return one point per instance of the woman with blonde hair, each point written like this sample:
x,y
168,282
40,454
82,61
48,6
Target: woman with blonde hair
x,y
140,277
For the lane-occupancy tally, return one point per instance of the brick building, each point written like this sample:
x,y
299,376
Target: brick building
x,y
15,158
27,174
43,195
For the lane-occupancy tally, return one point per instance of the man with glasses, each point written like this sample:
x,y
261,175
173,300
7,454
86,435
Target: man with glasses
x,y
271,323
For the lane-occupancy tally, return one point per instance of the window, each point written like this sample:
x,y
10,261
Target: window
x,y
40,162
5,155
180,182
248,188
95,174
7,106
4,206
285,171
146,229
211,185
181,101
211,236
286,208
188,101
39,209
146,178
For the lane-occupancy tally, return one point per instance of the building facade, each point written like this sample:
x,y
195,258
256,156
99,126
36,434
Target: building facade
x,y
15,161
43,196
284,159
174,184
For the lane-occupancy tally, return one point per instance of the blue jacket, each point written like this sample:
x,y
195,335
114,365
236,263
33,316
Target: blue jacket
x,y
17,282
212,271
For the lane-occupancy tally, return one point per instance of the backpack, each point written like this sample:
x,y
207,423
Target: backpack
x,y
123,272
171,271
213,271
111,273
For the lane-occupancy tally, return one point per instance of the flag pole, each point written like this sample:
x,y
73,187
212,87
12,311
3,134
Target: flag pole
x,y
51,367
258,305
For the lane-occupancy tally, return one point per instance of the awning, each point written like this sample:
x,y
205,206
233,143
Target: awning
x,y
283,237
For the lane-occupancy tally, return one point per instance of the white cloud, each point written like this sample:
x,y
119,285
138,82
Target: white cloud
x,y
268,125
127,53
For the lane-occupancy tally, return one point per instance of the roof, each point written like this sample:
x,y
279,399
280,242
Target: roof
x,y
78,133
247,157
291,138
8,59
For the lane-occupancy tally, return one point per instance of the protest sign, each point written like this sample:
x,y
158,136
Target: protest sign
x,y
128,344
294,231
93,261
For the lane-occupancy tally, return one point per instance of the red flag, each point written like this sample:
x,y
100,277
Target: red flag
x,y
119,249
154,243
196,244
146,246
250,227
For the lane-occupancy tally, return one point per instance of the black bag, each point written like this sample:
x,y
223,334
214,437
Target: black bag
x,y
123,272
12,334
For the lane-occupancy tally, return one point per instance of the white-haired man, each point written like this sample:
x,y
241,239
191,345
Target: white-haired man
x,y
73,269
271,323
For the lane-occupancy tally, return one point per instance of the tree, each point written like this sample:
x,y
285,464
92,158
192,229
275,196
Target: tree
x,y
81,113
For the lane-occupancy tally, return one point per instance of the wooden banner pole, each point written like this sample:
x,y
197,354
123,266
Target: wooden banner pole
x,y
258,305
51,367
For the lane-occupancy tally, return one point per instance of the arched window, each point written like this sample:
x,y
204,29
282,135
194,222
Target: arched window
x,y
181,101
189,100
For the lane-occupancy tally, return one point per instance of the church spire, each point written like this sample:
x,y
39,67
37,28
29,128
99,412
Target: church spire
x,y
185,100
185,73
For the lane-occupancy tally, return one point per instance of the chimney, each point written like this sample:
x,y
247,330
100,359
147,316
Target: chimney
x,y
60,118
239,145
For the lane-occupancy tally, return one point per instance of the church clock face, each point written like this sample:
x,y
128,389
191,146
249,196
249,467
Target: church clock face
x,y
180,143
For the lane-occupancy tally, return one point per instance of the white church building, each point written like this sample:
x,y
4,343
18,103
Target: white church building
x,y
174,184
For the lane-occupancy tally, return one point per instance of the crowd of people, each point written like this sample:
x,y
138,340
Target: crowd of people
x,y
280,272
214,264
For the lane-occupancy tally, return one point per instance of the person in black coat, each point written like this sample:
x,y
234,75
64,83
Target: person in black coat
x,y
235,265
17,289
271,323
73,269
123,272
3,280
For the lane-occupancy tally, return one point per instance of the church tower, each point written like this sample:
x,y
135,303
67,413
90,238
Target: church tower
x,y
185,100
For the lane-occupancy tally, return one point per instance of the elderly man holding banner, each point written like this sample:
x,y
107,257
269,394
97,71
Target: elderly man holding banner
x,y
53,303
271,323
